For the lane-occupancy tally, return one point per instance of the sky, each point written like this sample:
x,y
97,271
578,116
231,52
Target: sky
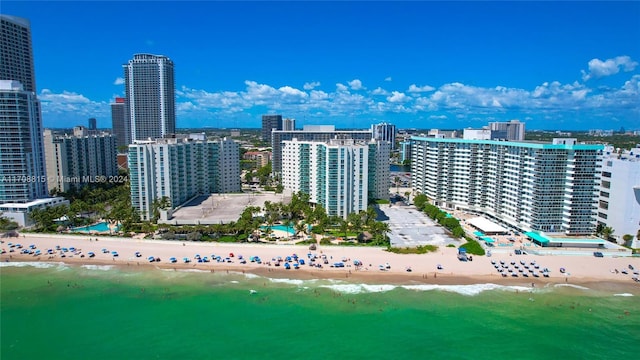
x,y
417,64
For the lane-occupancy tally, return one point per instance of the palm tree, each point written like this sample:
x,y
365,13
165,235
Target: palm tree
x,y
607,231
397,181
300,227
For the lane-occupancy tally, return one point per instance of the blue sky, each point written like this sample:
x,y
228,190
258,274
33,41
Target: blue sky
x,y
554,65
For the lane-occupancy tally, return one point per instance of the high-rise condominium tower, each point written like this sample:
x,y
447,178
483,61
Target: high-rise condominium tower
x,y
16,57
150,96
270,122
22,170
119,124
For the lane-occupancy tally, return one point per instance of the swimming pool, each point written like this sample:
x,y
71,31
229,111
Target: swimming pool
x,y
288,229
99,227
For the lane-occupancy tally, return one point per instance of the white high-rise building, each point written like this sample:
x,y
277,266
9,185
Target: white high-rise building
x,y
619,197
22,169
310,133
548,187
341,174
150,97
288,124
180,169
80,160
385,132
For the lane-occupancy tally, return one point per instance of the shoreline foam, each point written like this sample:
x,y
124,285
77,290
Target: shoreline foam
x,y
585,272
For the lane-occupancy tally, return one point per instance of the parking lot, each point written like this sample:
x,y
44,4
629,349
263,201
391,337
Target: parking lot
x,y
221,208
411,228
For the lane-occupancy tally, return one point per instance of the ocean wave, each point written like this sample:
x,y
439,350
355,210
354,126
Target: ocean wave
x,y
35,264
572,286
358,288
287,281
623,294
98,267
189,270
468,290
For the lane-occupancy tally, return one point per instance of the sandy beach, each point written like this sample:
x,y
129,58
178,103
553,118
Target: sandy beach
x,y
579,270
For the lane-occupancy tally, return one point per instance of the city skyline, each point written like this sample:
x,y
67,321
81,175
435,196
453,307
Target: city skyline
x,y
553,65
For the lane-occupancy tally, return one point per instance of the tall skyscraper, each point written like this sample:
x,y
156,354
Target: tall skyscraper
x,y
92,124
270,122
119,124
22,175
22,172
150,96
17,55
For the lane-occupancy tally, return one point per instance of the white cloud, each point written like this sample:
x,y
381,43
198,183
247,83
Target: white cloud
x,y
118,81
311,85
599,68
437,117
340,87
355,84
414,88
388,78
292,92
69,108
397,96
379,91
68,97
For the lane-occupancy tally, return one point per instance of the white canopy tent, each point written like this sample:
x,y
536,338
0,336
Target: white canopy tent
x,y
487,226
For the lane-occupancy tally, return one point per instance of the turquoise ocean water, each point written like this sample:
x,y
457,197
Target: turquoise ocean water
x,y
55,311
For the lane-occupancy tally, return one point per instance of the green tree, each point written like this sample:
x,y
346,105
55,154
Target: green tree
x,y
7,224
627,239
420,200
162,203
607,232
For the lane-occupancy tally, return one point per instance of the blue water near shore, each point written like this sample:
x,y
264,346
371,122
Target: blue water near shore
x,y
55,311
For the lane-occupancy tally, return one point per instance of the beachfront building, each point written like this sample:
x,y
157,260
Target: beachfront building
x,y
270,123
384,132
150,97
23,177
532,186
322,133
180,169
19,212
81,159
340,174
619,195
22,171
